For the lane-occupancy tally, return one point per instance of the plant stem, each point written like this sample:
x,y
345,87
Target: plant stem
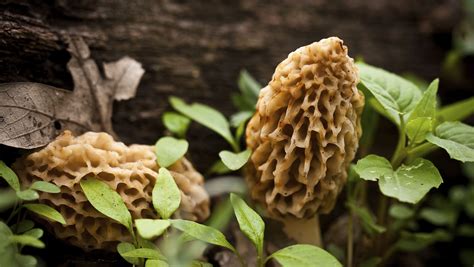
x,y
400,151
420,150
350,239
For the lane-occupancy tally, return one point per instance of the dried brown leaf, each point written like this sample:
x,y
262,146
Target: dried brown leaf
x,y
33,114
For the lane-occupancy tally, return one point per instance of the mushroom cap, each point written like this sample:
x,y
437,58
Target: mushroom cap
x,y
129,170
305,131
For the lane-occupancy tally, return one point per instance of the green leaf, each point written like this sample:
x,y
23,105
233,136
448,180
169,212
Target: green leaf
x,y
416,129
369,119
149,228
144,253
26,240
23,226
466,230
203,233
410,183
456,111
426,107
200,264
250,223
46,211
9,176
224,185
206,116
35,232
166,194
106,201
45,187
400,211
372,167
176,123
397,95
124,247
156,263
7,199
168,150
439,217
368,220
218,168
249,89
417,241
240,117
456,138
27,195
303,256
235,161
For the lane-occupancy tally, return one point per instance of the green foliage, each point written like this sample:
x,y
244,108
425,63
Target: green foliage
x,y
150,229
176,123
45,211
235,161
9,176
457,111
144,253
203,233
456,138
206,116
249,90
45,187
304,255
367,219
401,212
107,201
27,195
125,247
168,150
250,223
166,195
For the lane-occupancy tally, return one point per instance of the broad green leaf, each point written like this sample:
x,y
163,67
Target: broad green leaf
x,y
7,249
149,228
106,201
23,226
168,150
416,80
456,111
249,91
9,176
166,194
203,233
240,117
372,167
144,253
35,232
439,217
156,263
410,183
417,241
368,220
206,116
426,107
46,211
303,256
396,94
26,240
456,138
235,161
27,195
124,247
176,123
218,168
336,251
400,211
369,120
416,129
8,198
250,223
45,187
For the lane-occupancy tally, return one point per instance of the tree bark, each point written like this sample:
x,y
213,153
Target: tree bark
x,y
196,49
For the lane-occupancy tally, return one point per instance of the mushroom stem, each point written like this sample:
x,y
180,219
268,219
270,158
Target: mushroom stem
x,y
305,231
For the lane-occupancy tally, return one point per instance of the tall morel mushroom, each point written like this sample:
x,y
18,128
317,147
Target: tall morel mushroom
x,y
305,131
129,170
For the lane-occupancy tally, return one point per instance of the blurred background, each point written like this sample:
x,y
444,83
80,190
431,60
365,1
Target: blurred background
x,y
196,49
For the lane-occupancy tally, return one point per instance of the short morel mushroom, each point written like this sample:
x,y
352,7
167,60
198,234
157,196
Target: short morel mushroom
x,y
129,170
305,131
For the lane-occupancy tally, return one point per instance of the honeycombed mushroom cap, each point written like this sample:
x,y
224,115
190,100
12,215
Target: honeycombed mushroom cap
x,y
305,131
129,170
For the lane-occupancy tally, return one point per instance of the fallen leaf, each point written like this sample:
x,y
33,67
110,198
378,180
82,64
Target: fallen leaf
x,y
33,114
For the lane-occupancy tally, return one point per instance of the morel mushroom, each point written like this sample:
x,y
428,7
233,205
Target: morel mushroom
x,y
305,131
131,171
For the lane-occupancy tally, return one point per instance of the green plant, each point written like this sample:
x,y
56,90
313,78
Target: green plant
x,y
406,177
17,231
